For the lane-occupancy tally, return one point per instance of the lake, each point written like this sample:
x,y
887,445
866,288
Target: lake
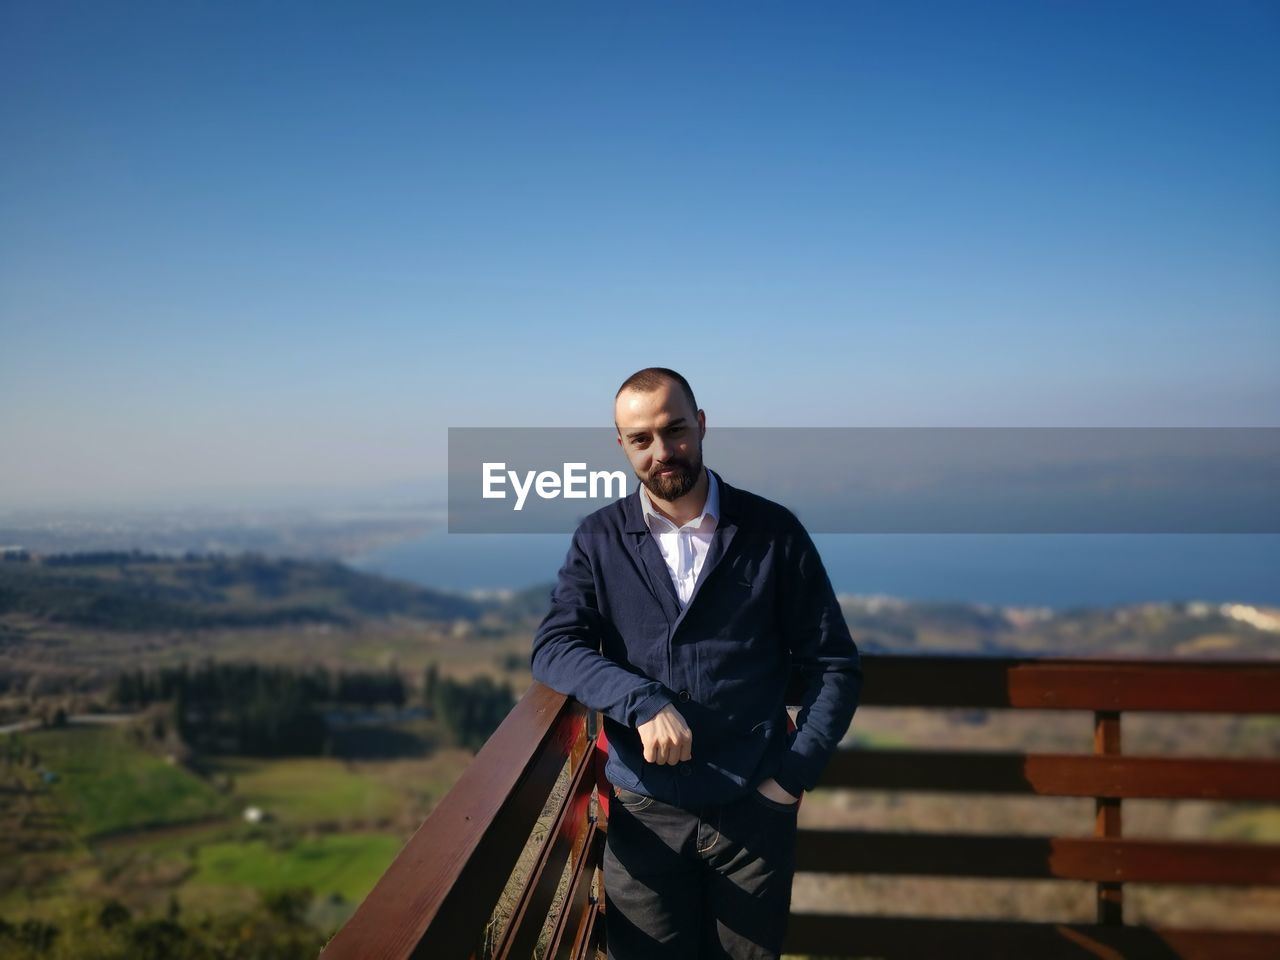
x,y
1048,570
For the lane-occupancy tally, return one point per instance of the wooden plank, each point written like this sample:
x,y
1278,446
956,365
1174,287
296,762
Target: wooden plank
x,y
439,892
566,935
1055,774
1046,683
599,939
909,938
587,941
530,913
1068,858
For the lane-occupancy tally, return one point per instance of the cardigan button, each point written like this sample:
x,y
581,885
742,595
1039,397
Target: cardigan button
x,y
684,696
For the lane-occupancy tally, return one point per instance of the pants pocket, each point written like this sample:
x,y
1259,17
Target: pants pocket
x,y
631,800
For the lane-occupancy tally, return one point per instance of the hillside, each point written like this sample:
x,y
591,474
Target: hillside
x,y
126,806
889,625
138,591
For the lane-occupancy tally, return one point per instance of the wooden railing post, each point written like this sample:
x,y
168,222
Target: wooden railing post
x,y
1106,820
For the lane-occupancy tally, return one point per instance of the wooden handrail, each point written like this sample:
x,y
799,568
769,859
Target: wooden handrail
x,y
1055,683
437,897
1055,774
1099,859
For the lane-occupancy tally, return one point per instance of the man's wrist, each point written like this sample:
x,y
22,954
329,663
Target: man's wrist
x,y
650,707
775,791
789,782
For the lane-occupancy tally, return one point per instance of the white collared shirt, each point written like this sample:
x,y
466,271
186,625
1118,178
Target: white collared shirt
x,y
684,548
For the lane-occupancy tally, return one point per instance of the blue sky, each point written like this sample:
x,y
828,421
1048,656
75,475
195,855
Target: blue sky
x,y
286,245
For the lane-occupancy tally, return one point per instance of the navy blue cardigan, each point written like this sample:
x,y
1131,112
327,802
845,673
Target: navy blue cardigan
x,y
616,639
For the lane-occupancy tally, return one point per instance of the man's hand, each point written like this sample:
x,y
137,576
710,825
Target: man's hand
x,y
666,737
773,791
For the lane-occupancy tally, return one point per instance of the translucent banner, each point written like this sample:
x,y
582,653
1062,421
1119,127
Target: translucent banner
x,y
897,480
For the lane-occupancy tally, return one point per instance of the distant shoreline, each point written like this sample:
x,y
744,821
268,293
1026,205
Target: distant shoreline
x,y
1058,571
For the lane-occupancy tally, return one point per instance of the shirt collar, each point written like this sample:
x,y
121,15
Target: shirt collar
x,y
709,509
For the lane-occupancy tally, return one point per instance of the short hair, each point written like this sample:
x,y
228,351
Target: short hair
x,y
652,378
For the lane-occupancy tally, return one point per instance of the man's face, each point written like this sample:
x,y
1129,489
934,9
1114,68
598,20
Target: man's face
x,y
661,434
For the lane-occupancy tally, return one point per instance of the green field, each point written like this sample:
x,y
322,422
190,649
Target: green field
x,y
348,864
308,790
141,830
105,784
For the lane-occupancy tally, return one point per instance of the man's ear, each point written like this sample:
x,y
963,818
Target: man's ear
x,y
702,424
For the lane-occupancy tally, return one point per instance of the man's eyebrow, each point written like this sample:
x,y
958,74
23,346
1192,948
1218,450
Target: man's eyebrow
x,y
677,422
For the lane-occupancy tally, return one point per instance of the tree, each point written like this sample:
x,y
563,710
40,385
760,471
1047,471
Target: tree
x,y
431,687
113,914
288,905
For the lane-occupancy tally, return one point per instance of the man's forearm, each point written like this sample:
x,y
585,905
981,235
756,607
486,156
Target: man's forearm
x,y
830,700
824,652
566,651
568,664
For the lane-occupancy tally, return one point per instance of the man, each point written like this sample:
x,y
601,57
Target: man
x,y
680,612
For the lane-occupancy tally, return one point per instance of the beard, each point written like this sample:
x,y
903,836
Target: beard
x,y
676,484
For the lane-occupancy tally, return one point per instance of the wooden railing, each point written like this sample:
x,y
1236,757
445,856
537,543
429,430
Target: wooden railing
x,y
438,898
